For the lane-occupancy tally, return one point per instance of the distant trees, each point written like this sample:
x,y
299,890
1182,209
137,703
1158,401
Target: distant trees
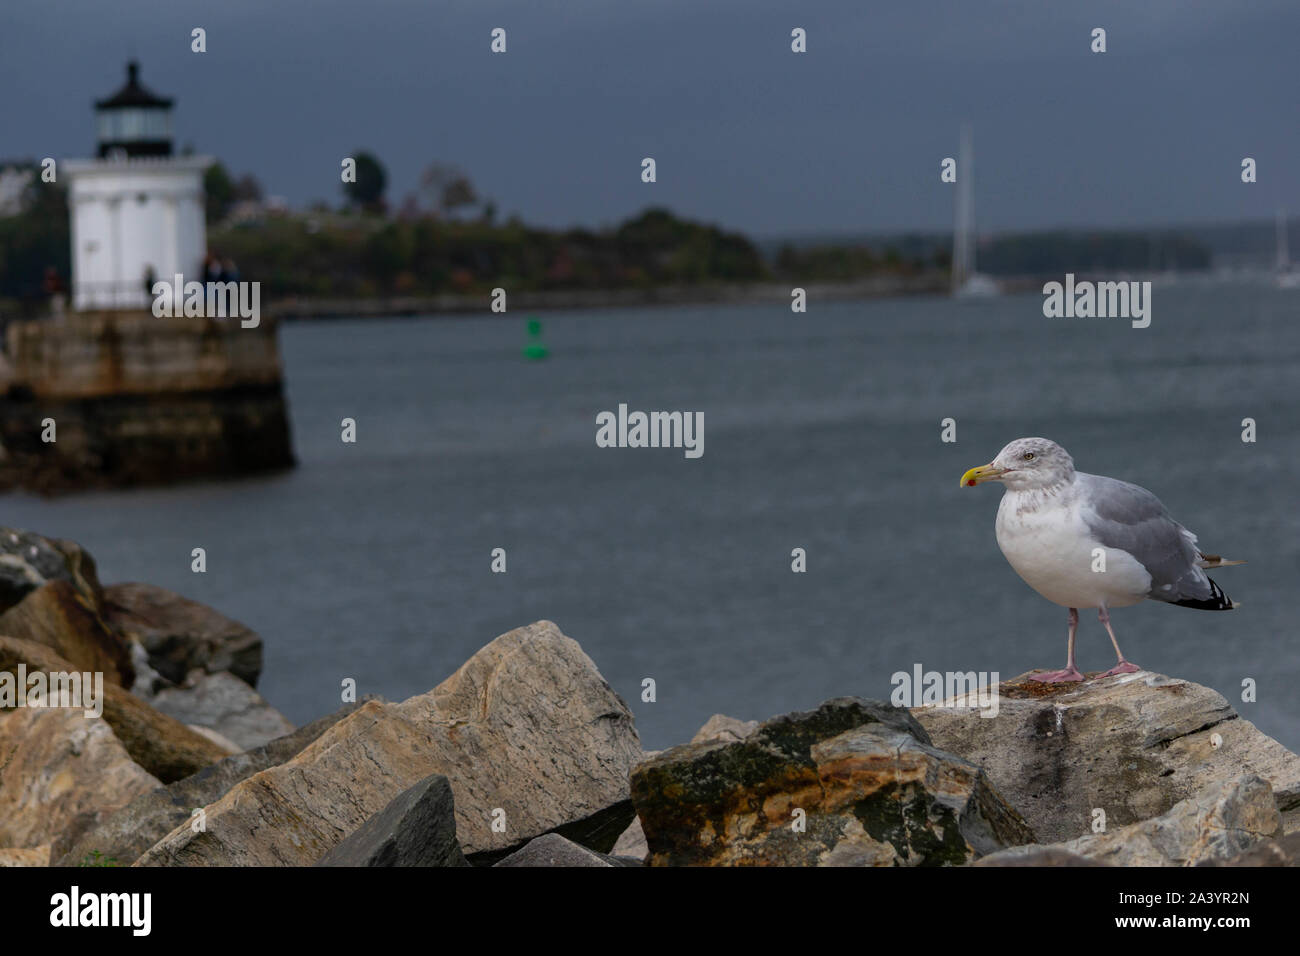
x,y
1055,253
832,262
247,188
1023,254
218,192
447,188
221,193
34,240
367,192
346,257
665,248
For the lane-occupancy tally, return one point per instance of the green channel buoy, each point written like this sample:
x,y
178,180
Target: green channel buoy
x,y
535,349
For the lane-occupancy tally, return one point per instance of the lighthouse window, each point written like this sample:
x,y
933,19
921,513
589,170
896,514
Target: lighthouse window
x,y
129,124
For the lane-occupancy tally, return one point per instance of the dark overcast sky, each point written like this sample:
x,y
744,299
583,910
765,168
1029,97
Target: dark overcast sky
x,y
847,137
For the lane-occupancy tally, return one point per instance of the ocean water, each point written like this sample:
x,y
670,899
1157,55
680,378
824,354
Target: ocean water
x,y
822,432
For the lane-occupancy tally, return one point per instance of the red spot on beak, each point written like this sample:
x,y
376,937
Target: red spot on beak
x,y
971,483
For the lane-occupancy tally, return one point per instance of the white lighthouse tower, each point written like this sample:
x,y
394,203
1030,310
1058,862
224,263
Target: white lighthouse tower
x,y
137,210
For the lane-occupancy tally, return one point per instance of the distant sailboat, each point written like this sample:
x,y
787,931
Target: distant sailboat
x,y
966,282
1288,277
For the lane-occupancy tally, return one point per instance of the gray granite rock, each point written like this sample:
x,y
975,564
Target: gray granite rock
x,y
162,745
57,766
29,560
632,843
128,833
1284,851
1224,821
530,735
552,849
417,829
59,616
179,634
722,727
1132,745
227,705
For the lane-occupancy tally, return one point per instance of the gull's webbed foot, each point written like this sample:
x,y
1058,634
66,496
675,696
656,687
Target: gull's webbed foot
x,y
1123,667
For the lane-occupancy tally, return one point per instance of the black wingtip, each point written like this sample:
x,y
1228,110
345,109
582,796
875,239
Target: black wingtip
x,y
1217,601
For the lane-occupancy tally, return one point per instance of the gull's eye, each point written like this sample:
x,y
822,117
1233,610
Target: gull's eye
x,y
1028,456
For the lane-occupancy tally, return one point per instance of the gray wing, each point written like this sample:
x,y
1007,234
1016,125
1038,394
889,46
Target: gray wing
x,y
1130,518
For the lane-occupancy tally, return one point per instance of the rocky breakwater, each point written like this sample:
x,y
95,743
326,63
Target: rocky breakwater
x,y
852,783
1136,770
526,757
1132,746
65,768
525,740
125,398
528,735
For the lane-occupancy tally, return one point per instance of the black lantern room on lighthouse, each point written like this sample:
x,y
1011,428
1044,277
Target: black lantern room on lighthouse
x,y
134,121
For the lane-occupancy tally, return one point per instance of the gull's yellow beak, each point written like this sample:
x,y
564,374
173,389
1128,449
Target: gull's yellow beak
x,y
982,473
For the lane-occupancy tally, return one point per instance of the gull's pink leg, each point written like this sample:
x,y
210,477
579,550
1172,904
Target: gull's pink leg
x,y
1123,667
1071,673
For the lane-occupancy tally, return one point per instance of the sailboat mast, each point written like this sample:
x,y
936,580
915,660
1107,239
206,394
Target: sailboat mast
x,y
1283,252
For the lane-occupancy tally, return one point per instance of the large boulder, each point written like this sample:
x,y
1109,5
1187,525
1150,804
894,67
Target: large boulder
x,y
63,619
225,704
126,834
417,829
1284,851
162,745
722,727
35,856
29,560
1227,819
632,843
861,777
59,767
529,734
1132,745
179,634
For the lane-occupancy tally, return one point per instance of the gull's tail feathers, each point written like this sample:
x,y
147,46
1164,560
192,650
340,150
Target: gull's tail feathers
x,y
1208,561
1217,601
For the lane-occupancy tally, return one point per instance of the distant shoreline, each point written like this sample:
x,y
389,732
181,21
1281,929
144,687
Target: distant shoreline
x,y
306,308
766,293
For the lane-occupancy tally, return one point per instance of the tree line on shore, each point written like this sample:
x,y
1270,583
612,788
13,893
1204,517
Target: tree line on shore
x,y
453,241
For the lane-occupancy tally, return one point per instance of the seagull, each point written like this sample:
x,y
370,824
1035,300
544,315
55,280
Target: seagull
x,y
1088,541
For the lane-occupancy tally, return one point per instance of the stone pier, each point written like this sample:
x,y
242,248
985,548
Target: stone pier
x,y
135,399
